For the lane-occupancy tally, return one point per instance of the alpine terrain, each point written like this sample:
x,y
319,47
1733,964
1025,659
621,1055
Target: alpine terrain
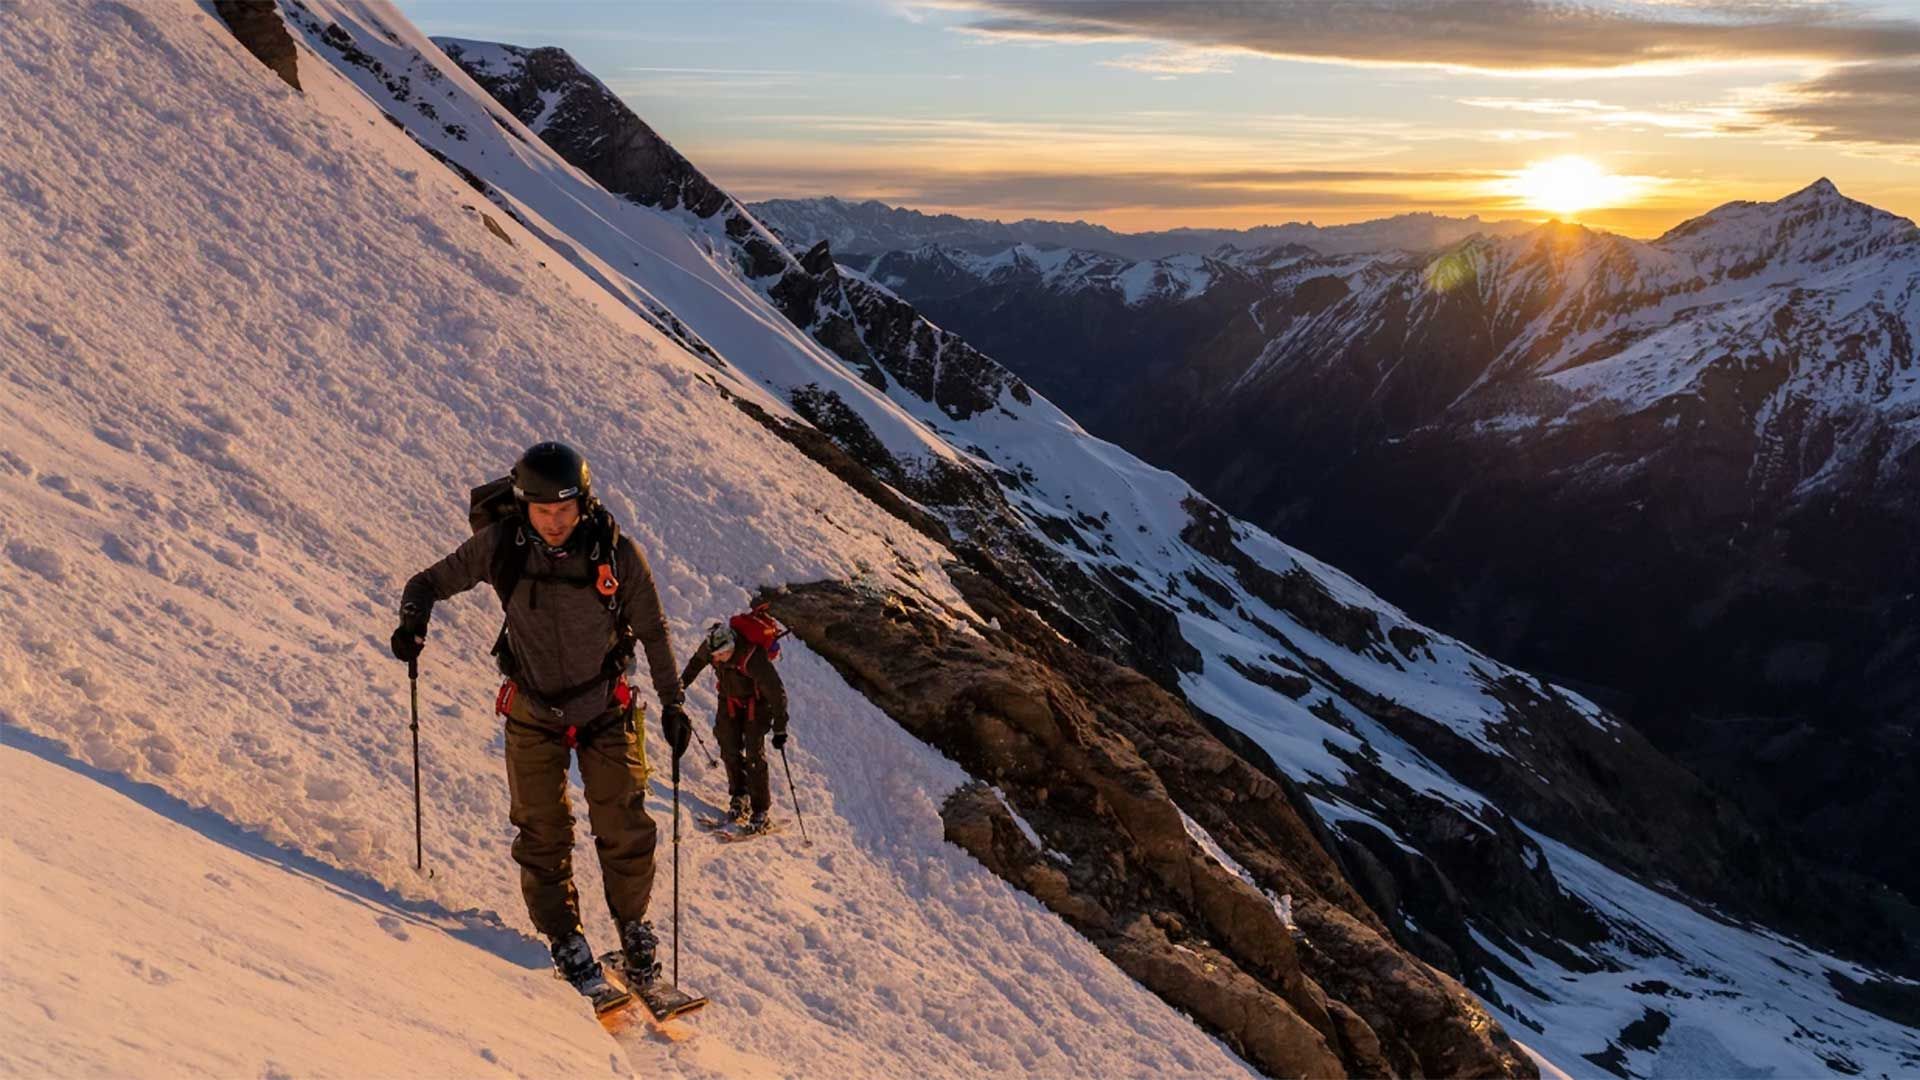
x,y
1097,779
1679,474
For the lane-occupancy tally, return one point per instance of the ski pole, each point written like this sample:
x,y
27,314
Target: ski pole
x,y
676,869
711,760
413,688
798,816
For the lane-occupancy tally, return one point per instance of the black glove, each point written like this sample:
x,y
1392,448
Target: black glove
x,y
408,640
780,739
676,727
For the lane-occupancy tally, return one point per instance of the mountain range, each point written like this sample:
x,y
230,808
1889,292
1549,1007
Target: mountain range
x,y
1679,474
872,227
1104,779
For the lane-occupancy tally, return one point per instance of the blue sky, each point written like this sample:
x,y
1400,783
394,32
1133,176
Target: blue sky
x,y
1144,115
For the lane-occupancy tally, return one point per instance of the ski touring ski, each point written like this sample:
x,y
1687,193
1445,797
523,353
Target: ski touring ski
x,y
609,995
663,1000
738,835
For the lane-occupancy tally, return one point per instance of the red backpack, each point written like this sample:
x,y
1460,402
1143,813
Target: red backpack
x,y
760,629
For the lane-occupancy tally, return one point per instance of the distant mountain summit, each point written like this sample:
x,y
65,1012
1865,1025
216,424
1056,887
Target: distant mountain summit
x,y
872,227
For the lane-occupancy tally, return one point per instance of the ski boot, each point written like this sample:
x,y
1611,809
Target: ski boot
x,y
573,960
640,965
757,824
739,809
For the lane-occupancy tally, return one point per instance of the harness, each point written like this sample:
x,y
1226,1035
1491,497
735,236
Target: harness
x,y
750,703
735,705
622,696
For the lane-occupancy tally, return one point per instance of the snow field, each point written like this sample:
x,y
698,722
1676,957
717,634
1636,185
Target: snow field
x,y
138,945
256,348
1742,1001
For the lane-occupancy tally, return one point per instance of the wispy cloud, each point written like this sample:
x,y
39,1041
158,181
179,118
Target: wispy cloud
x,y
1871,107
1494,36
1862,104
1137,140
1685,119
1175,60
1076,193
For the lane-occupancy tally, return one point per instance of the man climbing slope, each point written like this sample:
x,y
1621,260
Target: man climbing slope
x,y
577,596
752,702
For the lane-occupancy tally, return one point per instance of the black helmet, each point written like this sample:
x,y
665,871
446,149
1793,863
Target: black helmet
x,y
551,472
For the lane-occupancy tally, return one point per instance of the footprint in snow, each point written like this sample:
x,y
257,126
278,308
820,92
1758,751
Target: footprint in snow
x,y
140,969
395,929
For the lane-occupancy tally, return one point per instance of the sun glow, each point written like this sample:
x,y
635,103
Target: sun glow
x,y
1565,186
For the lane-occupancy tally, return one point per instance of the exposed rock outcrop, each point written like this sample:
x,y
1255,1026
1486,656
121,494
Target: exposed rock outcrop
x,y
1101,763
258,26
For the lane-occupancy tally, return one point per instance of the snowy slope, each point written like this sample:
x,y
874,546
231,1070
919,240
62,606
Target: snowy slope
x,y
143,938
257,344
1125,517
1705,997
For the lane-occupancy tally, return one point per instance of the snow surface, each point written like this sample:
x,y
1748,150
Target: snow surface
x,y
1743,1002
257,344
145,938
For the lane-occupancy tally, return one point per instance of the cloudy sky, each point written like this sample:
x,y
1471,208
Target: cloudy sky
x,y
1630,115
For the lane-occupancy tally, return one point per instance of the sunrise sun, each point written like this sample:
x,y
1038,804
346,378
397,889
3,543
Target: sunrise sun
x,y
1565,186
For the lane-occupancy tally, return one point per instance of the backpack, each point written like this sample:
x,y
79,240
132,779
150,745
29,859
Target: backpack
x,y
494,502
760,629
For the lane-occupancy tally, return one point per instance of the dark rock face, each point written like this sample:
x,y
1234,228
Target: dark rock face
x,y
258,26
1101,762
1079,348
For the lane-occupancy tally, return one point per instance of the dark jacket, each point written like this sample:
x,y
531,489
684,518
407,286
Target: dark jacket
x,y
743,682
559,627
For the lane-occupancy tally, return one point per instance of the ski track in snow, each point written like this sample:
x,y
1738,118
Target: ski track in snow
x,y
257,347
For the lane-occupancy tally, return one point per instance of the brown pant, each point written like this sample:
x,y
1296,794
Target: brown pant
x,y
613,769
741,731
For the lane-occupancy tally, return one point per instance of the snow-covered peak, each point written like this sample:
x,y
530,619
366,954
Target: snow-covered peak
x,y
1815,227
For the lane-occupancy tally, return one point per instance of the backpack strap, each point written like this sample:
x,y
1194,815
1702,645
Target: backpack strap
x,y
746,654
509,564
509,558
